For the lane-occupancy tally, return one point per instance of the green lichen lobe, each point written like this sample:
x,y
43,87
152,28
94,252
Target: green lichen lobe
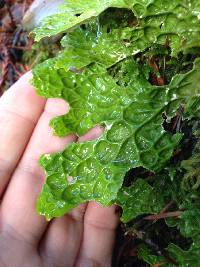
x,y
133,137
98,75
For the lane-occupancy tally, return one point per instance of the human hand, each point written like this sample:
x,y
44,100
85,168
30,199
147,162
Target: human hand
x,y
83,238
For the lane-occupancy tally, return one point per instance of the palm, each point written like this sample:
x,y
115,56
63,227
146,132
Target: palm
x,y
84,237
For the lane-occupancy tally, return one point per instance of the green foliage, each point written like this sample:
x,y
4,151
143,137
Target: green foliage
x,y
104,72
73,13
156,21
185,258
134,199
133,135
191,179
40,52
146,255
188,201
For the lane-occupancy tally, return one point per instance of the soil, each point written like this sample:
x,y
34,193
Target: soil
x,y
13,41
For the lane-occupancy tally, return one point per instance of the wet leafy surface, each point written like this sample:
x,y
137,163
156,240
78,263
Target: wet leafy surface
x,y
135,70
133,135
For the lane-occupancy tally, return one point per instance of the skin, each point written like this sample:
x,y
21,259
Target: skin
x,y
83,238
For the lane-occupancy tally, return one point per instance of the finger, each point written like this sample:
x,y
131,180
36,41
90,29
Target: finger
x,y
92,134
64,235
99,235
62,239
21,194
20,109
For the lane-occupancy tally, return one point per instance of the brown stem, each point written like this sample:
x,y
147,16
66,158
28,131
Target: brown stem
x,y
164,215
19,47
164,209
11,15
159,264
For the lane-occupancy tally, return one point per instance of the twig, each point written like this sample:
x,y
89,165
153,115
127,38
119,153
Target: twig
x,y
20,47
178,119
164,209
24,8
158,264
163,215
11,15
